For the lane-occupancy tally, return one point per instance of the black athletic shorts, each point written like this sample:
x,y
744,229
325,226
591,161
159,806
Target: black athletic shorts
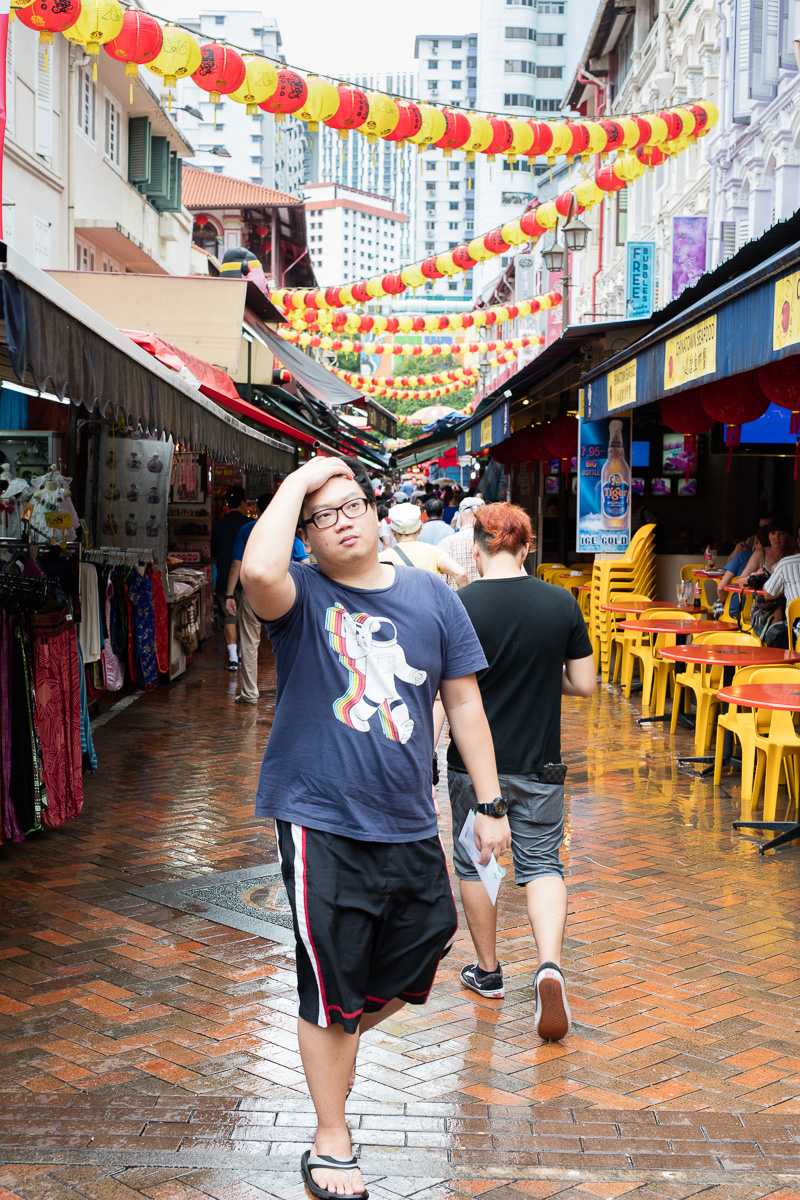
x,y
372,921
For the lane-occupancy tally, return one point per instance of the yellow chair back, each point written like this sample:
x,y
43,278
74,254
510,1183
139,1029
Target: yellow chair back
x,y
792,615
687,571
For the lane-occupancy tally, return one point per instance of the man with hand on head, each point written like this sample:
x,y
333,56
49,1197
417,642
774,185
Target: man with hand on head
x,y
537,647
361,649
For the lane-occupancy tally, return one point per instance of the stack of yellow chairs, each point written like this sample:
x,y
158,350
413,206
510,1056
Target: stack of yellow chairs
x,y
634,571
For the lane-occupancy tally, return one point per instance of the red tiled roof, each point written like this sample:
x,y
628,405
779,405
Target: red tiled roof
x,y
205,189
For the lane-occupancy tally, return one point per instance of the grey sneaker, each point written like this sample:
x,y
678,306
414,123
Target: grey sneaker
x,y
552,1018
240,699
485,983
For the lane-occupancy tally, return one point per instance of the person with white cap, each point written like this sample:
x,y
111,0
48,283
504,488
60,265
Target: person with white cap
x,y
406,522
458,546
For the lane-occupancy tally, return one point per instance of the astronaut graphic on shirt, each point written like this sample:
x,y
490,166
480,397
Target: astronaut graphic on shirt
x,y
368,647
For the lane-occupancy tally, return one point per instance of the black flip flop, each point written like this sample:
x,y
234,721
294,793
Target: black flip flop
x,y
310,1162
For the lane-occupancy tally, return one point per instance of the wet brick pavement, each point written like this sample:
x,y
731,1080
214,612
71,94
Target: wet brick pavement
x,y
150,1052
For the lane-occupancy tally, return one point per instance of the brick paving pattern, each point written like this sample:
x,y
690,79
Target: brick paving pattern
x,y
146,1052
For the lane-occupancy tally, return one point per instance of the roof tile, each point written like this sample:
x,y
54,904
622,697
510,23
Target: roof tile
x,y
205,189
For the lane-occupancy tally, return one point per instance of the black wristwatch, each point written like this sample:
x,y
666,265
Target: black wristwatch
x,y
497,808
230,597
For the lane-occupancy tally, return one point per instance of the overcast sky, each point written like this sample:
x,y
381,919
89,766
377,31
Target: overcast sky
x,y
330,38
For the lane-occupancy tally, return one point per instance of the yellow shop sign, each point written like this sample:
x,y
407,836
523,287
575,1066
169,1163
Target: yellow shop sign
x,y
622,386
691,354
786,319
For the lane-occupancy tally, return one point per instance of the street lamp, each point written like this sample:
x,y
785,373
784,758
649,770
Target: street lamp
x,y
554,257
576,234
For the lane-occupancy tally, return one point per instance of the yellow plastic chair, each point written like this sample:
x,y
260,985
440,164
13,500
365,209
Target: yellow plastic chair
x,y
622,639
792,615
740,720
729,599
654,671
543,569
687,682
687,571
706,686
778,750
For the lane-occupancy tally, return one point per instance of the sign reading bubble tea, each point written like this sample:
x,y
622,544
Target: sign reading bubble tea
x,y
691,354
604,486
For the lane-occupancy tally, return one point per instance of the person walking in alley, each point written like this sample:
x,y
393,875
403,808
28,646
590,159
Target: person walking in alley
x,y
537,648
361,649
223,539
458,546
409,551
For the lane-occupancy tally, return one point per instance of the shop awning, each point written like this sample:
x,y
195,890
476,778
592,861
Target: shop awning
x,y
211,382
201,315
317,380
740,320
425,449
337,440
58,344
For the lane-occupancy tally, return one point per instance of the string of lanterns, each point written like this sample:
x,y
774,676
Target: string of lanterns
x,y
323,320
391,393
340,346
171,51
536,221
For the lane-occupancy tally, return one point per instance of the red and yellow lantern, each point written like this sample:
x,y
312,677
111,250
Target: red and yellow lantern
x,y
48,18
138,43
289,96
221,71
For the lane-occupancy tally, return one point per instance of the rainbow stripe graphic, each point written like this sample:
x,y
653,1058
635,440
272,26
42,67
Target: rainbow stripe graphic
x,y
343,707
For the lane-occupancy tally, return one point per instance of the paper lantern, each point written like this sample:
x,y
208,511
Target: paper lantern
x,y
494,243
513,233
659,129
565,203
608,181
780,383
598,139
705,114
651,156
409,121
685,414
629,168
480,136
180,56
221,71
321,102
456,132
542,138
561,439
375,287
477,250
547,214
587,193
579,139
562,140
430,270
260,81
529,223
502,137
673,123
47,17
688,121
100,21
523,137
632,133
139,42
289,96
463,259
382,117
16,5
352,110
432,127
734,402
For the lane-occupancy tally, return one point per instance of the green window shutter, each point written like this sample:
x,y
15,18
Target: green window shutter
x,y
139,148
173,201
158,185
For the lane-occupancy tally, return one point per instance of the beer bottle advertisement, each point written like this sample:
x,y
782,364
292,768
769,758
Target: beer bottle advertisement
x,y
604,486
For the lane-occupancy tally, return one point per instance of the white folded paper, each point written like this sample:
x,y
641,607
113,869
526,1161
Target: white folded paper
x,y
490,874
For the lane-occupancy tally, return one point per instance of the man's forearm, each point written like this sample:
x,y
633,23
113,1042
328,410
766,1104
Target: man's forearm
x,y
269,547
470,731
233,577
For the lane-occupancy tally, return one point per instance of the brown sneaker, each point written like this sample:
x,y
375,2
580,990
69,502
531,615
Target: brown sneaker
x,y
552,1018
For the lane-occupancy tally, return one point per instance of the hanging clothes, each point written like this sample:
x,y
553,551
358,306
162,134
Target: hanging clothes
x,y
58,705
161,614
11,828
90,631
88,755
140,598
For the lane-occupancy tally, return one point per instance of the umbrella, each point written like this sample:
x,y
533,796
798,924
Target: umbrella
x,y
424,416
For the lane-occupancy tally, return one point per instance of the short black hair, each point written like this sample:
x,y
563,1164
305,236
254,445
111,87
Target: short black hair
x,y
780,525
383,511
361,477
263,502
434,509
429,486
235,496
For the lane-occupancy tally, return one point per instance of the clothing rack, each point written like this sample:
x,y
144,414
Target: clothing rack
x,y
116,554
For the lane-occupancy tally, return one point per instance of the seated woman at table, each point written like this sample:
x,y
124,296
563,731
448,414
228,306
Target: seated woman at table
x,y
733,569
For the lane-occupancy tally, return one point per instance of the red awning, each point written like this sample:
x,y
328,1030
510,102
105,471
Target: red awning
x,y
212,381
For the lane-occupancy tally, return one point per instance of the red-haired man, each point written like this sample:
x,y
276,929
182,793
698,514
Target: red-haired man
x,y
537,648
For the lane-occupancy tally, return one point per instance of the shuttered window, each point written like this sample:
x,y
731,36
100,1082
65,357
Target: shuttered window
x,y
87,103
113,128
139,151
11,88
44,105
728,239
157,186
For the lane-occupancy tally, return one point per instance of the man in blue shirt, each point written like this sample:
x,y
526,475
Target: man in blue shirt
x,y
238,606
361,647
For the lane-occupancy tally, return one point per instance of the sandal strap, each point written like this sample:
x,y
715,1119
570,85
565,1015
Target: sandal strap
x,y
336,1164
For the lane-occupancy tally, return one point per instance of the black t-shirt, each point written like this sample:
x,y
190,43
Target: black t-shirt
x,y
527,628
223,539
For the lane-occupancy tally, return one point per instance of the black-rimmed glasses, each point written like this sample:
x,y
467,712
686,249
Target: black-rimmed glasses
x,y
326,517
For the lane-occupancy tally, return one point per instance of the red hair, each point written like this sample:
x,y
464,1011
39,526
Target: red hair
x,y
502,527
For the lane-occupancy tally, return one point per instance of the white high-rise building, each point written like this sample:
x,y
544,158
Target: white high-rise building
x,y
261,150
382,169
351,234
445,208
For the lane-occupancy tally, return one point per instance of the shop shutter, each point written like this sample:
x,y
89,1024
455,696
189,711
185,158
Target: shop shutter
x,y
770,47
789,29
44,104
742,232
139,150
728,239
759,88
157,187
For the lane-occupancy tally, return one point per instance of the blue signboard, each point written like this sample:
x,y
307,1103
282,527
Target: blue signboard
x,y
640,279
485,431
604,487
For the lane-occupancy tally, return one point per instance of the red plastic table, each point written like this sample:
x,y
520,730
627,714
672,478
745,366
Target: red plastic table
x,y
639,606
685,626
780,697
730,658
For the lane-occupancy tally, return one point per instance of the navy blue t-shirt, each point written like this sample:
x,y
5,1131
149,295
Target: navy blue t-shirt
x,y
351,746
